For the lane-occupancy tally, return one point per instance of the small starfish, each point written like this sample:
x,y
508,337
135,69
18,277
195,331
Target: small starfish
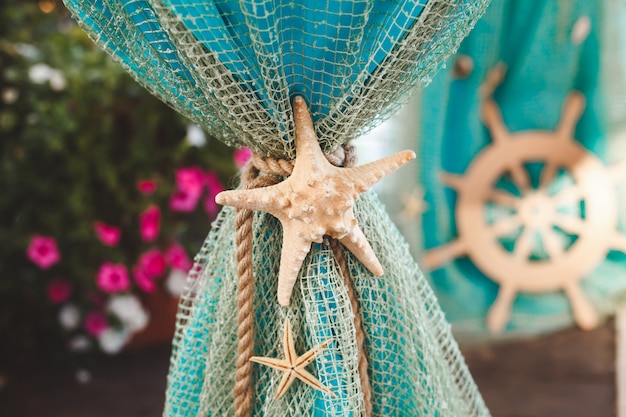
x,y
414,203
316,200
293,365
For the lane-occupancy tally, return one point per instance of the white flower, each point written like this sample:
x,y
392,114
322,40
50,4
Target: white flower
x,y
83,376
57,80
130,312
79,343
10,95
69,316
195,135
27,50
111,341
40,73
175,282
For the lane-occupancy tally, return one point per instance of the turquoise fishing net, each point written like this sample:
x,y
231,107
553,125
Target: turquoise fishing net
x,y
415,366
233,67
550,48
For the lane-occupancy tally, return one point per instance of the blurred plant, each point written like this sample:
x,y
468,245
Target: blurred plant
x,y
100,189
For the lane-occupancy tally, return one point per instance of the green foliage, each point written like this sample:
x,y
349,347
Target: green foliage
x,y
76,134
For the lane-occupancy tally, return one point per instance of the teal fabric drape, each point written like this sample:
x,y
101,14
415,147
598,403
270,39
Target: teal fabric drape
x,y
550,48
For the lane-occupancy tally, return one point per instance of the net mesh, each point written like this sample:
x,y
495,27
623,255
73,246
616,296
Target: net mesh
x,y
416,368
232,67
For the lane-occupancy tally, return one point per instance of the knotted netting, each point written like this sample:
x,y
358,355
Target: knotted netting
x,y
233,67
415,366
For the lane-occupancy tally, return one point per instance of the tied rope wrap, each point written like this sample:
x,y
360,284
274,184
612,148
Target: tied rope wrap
x,y
275,169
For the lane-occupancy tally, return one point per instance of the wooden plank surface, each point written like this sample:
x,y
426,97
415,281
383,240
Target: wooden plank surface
x,y
620,360
129,385
568,374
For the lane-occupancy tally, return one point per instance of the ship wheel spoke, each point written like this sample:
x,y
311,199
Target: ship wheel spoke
x,y
503,198
551,242
438,257
618,242
505,226
524,244
520,177
547,174
584,312
569,195
571,224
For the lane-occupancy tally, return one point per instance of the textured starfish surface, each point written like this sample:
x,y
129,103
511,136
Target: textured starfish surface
x,y
293,365
316,200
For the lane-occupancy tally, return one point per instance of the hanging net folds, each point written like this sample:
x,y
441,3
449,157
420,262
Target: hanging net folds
x,y
556,54
415,366
234,67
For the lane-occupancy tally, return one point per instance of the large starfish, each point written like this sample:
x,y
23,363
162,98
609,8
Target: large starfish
x,y
293,365
316,200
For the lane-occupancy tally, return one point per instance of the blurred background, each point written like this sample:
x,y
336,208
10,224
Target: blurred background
x,y
106,194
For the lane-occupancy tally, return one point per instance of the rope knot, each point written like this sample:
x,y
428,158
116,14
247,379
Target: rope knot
x,y
342,156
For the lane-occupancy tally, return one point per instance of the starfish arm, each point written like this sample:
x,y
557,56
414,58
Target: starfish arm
x,y
357,243
310,157
288,344
295,249
285,383
280,364
309,379
308,357
369,174
263,199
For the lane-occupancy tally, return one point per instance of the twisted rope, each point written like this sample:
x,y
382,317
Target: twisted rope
x,y
349,161
244,387
358,325
276,169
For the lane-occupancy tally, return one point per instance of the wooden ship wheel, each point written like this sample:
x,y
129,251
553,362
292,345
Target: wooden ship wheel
x,y
535,213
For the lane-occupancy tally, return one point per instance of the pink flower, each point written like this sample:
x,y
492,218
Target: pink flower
x,y
213,183
108,235
215,187
143,280
183,201
177,257
95,323
190,180
43,251
210,206
59,290
146,186
152,263
113,278
149,223
242,156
